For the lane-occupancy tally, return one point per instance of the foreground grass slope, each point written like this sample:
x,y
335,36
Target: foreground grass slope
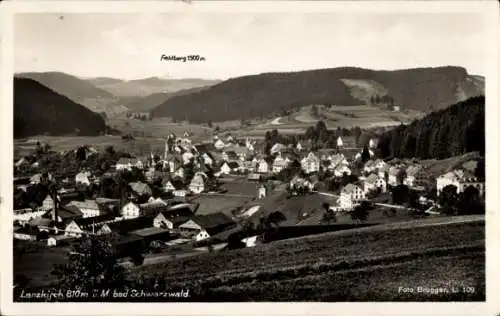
x,y
363,264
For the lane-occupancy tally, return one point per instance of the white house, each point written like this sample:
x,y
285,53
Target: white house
x,y
179,173
310,163
372,182
225,169
130,210
299,146
262,166
369,166
411,175
340,143
197,184
219,144
83,178
350,195
372,143
340,170
279,164
207,159
186,157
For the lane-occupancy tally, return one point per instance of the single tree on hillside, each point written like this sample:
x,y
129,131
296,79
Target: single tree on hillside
x,y
92,266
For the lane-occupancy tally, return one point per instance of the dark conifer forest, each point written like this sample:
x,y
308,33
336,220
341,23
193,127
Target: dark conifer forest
x,y
456,130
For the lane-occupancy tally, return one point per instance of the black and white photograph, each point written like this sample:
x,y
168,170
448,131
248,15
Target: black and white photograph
x,y
208,152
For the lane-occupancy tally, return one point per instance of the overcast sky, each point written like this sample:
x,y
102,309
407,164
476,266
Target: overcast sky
x,y
129,46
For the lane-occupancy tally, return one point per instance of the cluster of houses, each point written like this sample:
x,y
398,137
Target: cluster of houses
x,y
64,215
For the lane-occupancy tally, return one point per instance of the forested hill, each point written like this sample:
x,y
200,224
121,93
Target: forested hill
x,y
270,93
453,131
39,110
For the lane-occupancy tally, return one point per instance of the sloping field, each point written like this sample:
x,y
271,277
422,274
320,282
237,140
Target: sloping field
x,y
363,89
139,146
367,264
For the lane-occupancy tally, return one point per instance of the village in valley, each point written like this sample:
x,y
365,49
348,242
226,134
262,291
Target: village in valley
x,y
173,204
251,173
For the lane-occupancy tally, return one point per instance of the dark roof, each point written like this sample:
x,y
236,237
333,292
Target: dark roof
x,y
129,225
213,223
66,212
21,181
178,212
153,208
233,164
84,222
70,196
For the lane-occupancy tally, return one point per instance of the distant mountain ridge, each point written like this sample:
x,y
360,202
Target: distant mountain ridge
x,y
39,110
261,95
146,104
78,90
148,86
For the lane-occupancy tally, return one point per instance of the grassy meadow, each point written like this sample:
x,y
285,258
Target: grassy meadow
x,y
367,264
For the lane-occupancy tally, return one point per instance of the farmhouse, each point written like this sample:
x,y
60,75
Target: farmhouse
x,y
174,216
350,195
310,163
125,226
393,176
262,166
172,185
140,189
373,182
411,175
202,227
89,208
461,179
149,234
219,144
197,184
83,178
65,214
340,170
81,226
279,164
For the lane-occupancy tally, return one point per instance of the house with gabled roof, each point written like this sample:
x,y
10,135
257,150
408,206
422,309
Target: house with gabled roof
x,y
202,227
83,178
89,208
350,196
89,225
172,185
340,170
411,175
125,226
393,173
197,184
279,164
219,144
174,216
310,163
262,166
373,182
229,155
140,188
461,179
